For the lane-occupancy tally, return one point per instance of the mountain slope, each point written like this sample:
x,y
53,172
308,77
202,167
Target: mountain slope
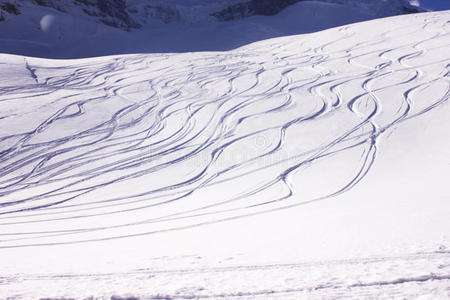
x,y
123,13
312,165
47,30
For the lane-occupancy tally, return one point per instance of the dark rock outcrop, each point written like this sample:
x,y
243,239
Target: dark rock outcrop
x,y
271,7
51,3
7,8
115,12
110,12
253,7
236,11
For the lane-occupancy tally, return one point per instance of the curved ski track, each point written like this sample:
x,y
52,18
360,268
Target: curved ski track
x,y
133,145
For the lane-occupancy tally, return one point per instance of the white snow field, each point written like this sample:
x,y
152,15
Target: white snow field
x,y
302,167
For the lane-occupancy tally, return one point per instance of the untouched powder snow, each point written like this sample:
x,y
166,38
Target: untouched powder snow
x,y
307,166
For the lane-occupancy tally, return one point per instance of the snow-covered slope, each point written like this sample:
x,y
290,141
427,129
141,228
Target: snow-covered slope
x,y
128,14
305,166
77,29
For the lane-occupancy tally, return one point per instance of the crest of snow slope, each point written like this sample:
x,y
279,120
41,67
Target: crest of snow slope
x,y
304,148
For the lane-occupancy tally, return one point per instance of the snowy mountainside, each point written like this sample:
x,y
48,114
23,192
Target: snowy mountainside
x,y
376,8
381,8
308,166
110,12
129,14
164,26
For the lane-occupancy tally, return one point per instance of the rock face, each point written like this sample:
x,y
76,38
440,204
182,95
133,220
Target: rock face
x,y
270,7
253,7
7,8
378,8
236,11
116,14
110,12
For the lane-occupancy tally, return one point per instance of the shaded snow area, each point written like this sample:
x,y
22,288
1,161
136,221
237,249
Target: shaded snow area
x,y
74,29
301,167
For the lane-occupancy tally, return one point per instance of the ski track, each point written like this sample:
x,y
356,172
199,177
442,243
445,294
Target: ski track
x,y
141,144
381,277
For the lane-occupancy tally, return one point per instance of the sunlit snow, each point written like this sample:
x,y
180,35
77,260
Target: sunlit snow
x,y
313,165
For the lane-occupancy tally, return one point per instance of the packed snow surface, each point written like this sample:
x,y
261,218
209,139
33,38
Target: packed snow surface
x,y
306,166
